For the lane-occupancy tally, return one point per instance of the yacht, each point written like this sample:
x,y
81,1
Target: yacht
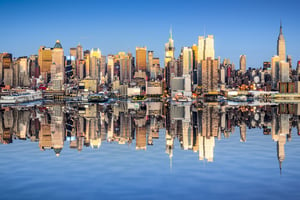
x,y
21,97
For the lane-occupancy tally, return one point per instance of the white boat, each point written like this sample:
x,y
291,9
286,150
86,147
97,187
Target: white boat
x,y
22,97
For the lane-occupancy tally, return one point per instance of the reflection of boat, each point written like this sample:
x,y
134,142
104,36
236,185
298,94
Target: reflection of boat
x,y
22,97
242,98
180,98
139,98
99,97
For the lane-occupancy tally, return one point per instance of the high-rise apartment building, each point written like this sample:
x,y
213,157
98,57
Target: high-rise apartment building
x,y
208,75
141,59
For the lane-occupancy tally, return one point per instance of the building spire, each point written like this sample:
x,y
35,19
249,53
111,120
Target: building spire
x,y
171,32
280,27
280,166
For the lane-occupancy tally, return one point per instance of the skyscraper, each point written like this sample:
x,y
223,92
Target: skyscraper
x,y
207,71
58,55
23,75
208,75
45,61
6,68
79,52
206,48
195,55
187,60
87,56
201,42
110,68
150,62
281,45
243,63
141,59
275,68
95,57
169,49
57,67
125,67
209,51
284,71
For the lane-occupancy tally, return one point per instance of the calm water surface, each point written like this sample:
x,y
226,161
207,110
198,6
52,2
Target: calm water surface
x,y
152,151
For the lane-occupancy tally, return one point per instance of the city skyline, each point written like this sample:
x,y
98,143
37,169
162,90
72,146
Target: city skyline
x,y
252,32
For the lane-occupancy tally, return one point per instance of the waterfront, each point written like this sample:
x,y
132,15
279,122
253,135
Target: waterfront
x,y
150,151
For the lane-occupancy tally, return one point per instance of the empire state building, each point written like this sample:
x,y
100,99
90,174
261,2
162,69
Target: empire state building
x,y
281,45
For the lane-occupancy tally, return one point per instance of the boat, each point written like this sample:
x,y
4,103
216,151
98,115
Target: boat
x,y
21,97
99,97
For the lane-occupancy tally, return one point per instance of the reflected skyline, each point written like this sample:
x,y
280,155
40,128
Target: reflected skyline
x,y
187,127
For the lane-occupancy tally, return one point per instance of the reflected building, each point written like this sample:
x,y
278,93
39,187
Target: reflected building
x,y
208,129
193,128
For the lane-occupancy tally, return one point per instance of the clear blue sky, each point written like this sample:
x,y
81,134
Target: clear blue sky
x,y
239,27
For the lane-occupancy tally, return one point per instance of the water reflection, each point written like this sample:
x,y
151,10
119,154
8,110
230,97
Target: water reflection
x,y
195,128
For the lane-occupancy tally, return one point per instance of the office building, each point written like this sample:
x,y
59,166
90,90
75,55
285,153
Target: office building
x,y
95,59
169,49
201,43
79,52
45,61
23,74
57,66
150,62
281,46
87,63
206,48
187,60
125,67
6,72
110,68
195,55
243,63
284,71
209,50
141,59
155,70
275,69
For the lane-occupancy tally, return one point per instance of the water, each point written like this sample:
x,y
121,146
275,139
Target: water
x,y
195,153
